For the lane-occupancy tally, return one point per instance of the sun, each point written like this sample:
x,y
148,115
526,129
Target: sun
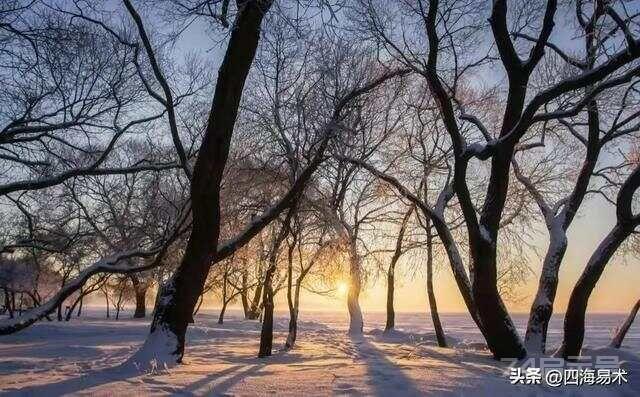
x,y
342,287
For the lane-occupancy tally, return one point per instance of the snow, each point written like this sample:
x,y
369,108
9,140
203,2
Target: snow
x,y
83,357
156,353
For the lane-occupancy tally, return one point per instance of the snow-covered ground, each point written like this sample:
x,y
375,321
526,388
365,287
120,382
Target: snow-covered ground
x,y
82,357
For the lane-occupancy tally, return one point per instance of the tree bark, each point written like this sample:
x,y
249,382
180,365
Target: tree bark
x,y
293,309
80,306
624,327
256,309
180,294
7,302
222,311
433,306
391,314
243,294
579,299
266,336
356,322
140,290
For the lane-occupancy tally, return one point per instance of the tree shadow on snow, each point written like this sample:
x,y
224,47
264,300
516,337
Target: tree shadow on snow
x,y
385,377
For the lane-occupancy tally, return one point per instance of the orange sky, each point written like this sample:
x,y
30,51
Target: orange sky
x,y
617,291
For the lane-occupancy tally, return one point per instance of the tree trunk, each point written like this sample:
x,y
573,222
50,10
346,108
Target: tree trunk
x,y
224,298
256,308
80,306
579,299
222,311
624,328
293,312
356,322
293,320
140,290
266,335
243,294
7,303
433,307
542,307
391,314
119,301
199,305
180,294
73,307
106,298
500,333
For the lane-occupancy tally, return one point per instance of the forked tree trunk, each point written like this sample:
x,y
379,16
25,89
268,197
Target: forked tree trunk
x,y
433,306
266,336
293,319
179,295
542,308
72,308
616,342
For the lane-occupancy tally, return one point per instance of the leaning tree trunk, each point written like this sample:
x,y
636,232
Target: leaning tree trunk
x,y
579,299
542,306
224,298
140,290
179,295
356,322
626,223
256,307
243,294
79,313
433,306
624,328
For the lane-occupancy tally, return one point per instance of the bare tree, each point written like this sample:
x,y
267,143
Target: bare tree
x,y
444,24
